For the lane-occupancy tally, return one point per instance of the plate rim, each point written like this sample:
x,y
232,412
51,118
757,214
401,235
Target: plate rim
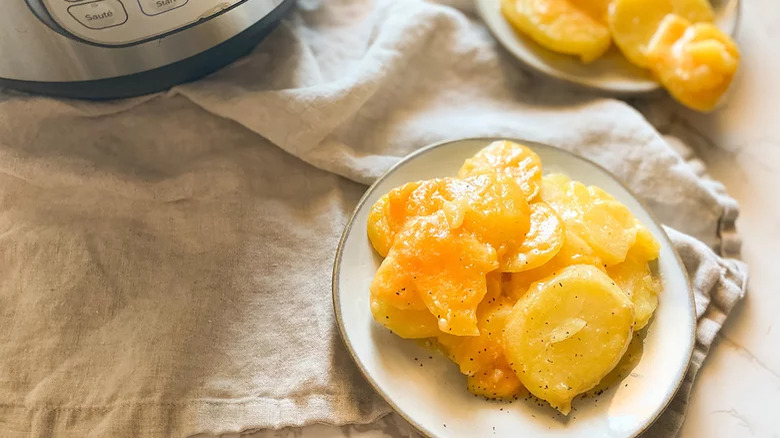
x,y
336,301
481,6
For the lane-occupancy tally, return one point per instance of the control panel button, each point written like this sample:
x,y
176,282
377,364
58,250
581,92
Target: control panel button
x,y
99,14
154,7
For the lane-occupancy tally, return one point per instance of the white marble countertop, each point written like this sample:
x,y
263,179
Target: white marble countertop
x,y
738,389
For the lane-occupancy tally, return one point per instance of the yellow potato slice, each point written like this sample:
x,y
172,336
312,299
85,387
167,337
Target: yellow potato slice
x,y
476,353
695,62
636,281
419,198
444,268
406,323
481,358
555,189
645,247
490,205
496,211
594,216
383,224
558,25
635,278
574,251
542,243
394,285
598,9
567,333
632,23
496,382
608,226
510,158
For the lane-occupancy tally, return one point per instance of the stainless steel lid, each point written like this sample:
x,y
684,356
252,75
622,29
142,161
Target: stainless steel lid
x,y
88,40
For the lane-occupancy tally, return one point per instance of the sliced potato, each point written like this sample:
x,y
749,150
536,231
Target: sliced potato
x,y
476,353
645,247
490,205
496,212
386,217
695,62
481,357
598,9
574,251
419,198
510,158
594,216
567,333
445,268
541,244
558,25
636,280
394,284
406,323
608,226
632,23
496,382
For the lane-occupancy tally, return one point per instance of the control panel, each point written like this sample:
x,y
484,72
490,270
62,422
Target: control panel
x,y
122,22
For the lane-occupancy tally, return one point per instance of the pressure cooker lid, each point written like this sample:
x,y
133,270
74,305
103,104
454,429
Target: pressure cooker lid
x,y
121,23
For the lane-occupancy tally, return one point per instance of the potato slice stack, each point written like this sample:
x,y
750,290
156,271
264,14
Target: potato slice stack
x,y
674,39
525,281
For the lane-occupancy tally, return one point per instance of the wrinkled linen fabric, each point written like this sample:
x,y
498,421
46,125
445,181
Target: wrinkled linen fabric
x,y
165,261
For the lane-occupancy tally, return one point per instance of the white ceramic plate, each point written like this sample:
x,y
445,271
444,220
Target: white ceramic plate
x,y
611,72
427,389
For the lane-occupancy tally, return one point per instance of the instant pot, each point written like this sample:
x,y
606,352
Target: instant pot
x,y
117,48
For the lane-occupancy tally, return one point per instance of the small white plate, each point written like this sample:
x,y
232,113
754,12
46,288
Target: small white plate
x,y
611,73
427,389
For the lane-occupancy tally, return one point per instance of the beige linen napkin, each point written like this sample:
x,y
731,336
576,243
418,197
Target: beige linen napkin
x,y
165,261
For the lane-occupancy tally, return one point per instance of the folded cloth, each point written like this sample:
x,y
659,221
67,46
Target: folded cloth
x,y
165,261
